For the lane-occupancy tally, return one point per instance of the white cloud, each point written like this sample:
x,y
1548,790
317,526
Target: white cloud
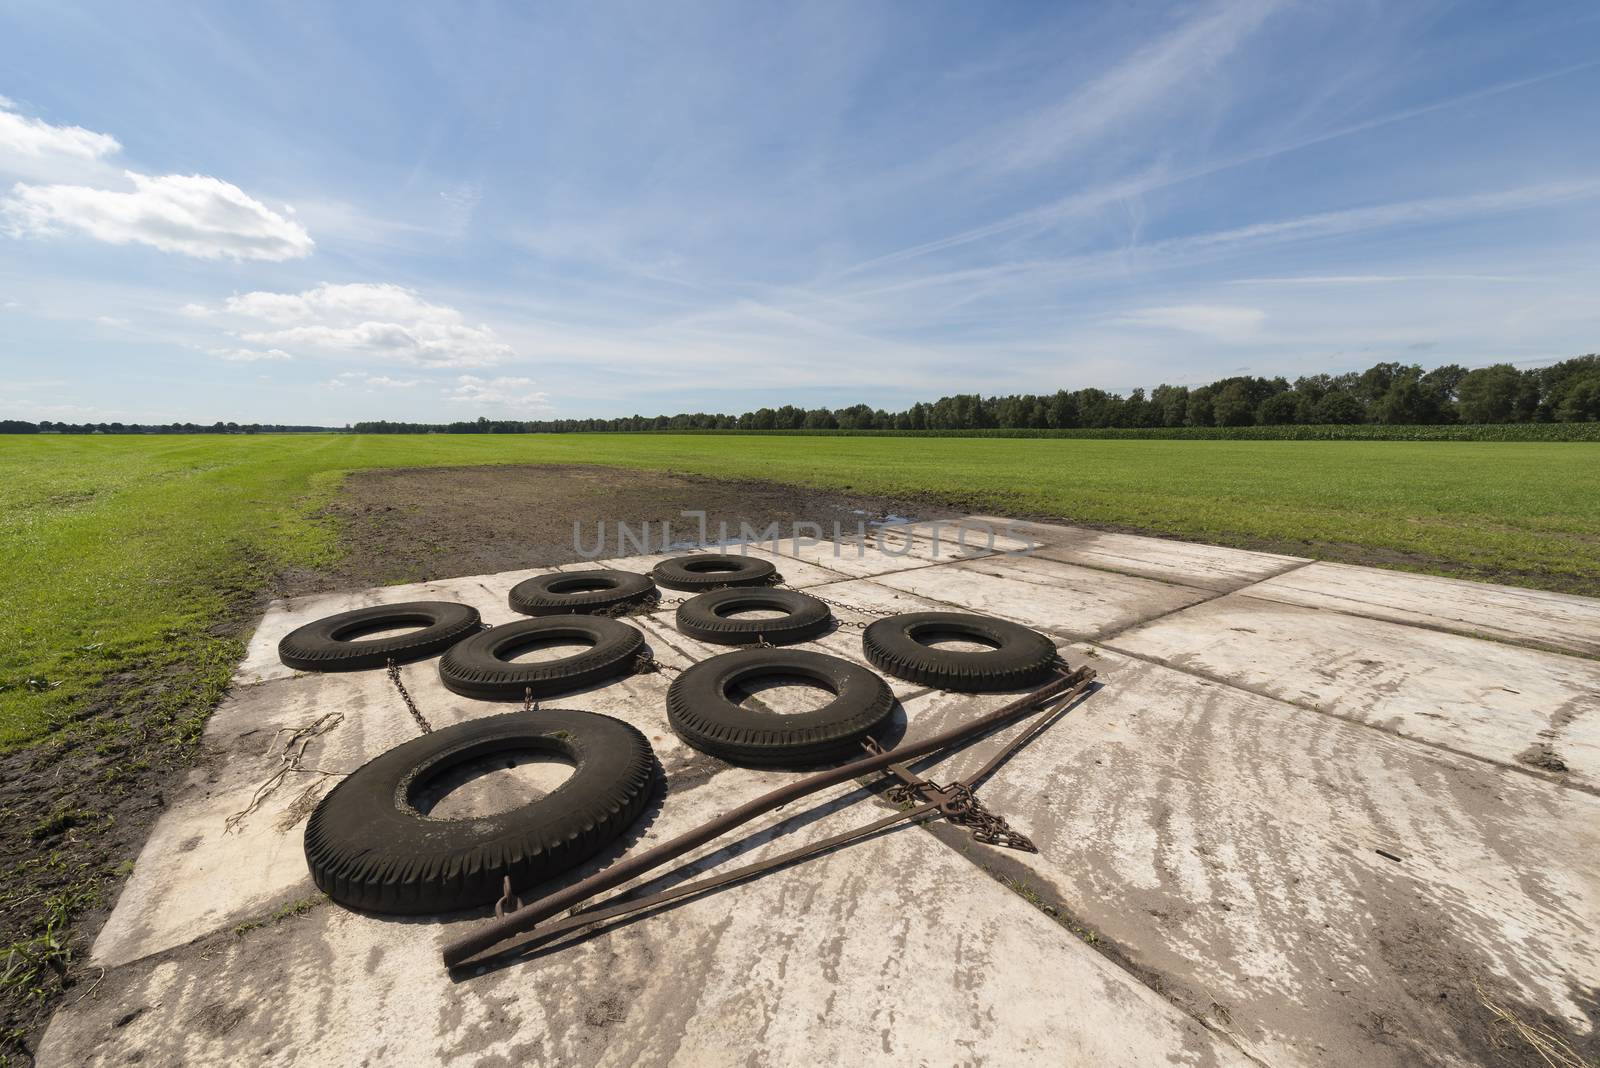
x,y
354,300
68,185
36,150
503,394
195,311
249,355
192,214
369,319
1221,321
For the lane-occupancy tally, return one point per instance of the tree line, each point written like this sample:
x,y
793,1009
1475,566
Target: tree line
x,y
1386,393
46,426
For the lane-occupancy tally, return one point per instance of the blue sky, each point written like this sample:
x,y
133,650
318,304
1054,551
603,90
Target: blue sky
x,y
322,213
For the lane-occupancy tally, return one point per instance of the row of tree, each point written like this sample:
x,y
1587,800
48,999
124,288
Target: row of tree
x,y
19,426
1391,393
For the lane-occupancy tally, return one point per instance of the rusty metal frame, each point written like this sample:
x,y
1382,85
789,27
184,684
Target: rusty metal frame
x,y
926,799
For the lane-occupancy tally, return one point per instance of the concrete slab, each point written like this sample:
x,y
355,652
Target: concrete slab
x,y
1223,850
1229,843
889,551
1536,711
1529,617
1065,599
794,572
836,962
871,599
1211,567
970,534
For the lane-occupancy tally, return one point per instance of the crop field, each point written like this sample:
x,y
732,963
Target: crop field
x,y
122,555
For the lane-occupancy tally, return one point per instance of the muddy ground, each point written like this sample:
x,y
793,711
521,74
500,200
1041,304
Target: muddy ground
x,y
415,524
75,810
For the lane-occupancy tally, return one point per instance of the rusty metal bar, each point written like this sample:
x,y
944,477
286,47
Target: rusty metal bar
x,y
622,905
495,931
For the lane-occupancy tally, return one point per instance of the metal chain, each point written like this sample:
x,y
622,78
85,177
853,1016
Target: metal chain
x,y
411,706
644,663
859,609
960,805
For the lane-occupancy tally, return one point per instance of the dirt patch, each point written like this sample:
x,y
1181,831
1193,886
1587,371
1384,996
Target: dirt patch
x,y
76,808
1542,755
74,812
417,524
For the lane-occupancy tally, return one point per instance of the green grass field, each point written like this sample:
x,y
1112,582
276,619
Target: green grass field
x,y
122,553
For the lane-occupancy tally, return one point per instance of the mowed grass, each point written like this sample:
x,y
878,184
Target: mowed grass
x,y
123,554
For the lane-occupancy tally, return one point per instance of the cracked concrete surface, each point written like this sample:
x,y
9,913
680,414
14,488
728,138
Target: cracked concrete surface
x,y
1298,824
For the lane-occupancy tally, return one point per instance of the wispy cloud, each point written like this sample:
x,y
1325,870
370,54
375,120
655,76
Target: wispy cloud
x,y
1162,176
1220,321
460,201
501,395
1210,245
1375,279
249,355
1399,213
370,382
1162,75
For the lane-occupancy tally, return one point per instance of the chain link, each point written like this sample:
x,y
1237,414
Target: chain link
x,y
854,609
644,664
960,805
411,706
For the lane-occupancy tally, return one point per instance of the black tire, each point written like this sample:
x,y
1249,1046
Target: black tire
x,y
711,571
477,667
370,848
1020,657
705,716
330,643
706,617
573,592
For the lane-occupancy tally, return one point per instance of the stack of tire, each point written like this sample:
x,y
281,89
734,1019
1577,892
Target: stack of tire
x,y
371,843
